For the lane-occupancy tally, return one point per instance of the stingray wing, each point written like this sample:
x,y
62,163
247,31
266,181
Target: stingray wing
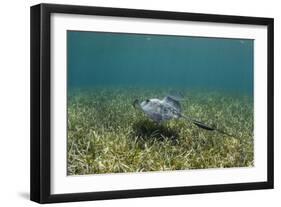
x,y
173,103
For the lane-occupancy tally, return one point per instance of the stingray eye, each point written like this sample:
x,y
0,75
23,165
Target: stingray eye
x,y
147,100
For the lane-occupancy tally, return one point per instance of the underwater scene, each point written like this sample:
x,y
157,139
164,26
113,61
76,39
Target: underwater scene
x,y
141,102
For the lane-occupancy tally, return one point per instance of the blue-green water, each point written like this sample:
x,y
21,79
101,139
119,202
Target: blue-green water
x,y
140,60
109,72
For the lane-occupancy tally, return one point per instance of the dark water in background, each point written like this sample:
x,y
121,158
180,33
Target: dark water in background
x,y
131,60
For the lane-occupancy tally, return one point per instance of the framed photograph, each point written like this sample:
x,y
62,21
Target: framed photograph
x,y
133,103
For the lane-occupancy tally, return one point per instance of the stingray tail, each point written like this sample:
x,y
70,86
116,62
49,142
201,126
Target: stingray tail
x,y
202,125
205,126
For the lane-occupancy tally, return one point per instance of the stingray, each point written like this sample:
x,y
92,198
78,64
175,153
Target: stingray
x,y
168,108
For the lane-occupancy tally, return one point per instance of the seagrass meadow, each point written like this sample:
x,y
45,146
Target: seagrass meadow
x,y
106,134
107,72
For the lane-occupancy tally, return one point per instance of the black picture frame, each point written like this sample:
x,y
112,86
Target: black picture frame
x,y
41,97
